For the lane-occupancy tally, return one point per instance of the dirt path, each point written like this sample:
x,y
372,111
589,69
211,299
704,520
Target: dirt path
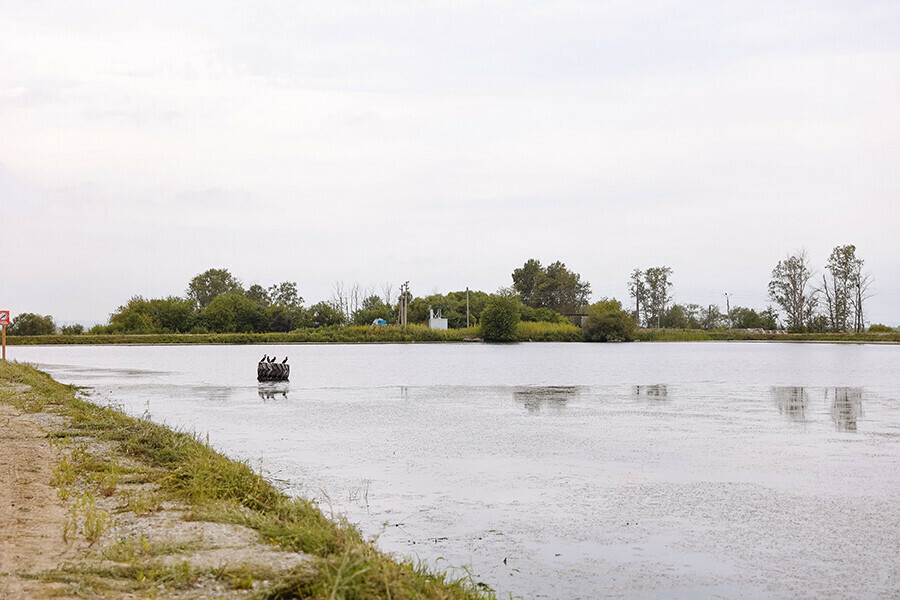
x,y
33,520
31,516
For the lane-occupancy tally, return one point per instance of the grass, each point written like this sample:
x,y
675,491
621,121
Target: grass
x,y
345,566
698,335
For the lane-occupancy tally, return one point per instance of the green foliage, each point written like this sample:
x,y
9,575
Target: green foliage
x,y
285,294
543,331
206,286
324,314
554,287
607,322
234,313
279,317
76,329
499,319
32,324
452,306
543,315
258,294
879,328
747,318
373,308
158,315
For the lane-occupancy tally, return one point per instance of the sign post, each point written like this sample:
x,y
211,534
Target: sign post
x,y
4,321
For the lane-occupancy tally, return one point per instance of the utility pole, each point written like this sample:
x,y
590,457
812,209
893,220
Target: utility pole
x,y
467,307
404,304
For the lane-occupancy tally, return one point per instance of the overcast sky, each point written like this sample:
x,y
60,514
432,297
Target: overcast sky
x,y
444,143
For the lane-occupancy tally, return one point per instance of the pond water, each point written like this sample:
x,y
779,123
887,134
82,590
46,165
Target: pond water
x,y
752,470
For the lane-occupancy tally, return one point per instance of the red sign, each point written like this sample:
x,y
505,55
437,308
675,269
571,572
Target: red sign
x,y
4,317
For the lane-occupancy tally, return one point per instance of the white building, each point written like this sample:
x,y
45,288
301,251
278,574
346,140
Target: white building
x,y
435,321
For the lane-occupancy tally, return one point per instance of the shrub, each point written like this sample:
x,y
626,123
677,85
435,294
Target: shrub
x,y
499,319
32,324
607,322
879,328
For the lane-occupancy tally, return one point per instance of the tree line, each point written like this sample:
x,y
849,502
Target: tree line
x,y
215,301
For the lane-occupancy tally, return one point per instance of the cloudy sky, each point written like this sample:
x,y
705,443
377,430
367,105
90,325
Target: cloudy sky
x,y
443,143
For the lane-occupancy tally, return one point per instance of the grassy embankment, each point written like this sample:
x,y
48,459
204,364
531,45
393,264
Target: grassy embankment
x,y
181,468
526,331
697,335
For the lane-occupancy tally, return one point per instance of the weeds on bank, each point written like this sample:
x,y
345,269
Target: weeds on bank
x,y
345,566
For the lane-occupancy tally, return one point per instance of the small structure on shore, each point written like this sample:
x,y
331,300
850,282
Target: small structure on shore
x,y
269,370
436,321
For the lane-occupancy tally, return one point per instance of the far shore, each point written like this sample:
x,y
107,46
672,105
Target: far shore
x,y
418,335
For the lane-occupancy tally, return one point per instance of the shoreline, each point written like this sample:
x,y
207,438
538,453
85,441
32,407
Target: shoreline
x,y
131,508
433,337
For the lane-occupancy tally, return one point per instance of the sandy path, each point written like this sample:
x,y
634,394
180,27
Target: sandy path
x,y
31,516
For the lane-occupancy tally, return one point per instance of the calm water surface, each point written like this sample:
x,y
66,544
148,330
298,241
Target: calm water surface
x,y
735,470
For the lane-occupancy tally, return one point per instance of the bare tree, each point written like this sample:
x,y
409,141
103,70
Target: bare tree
x,y
387,293
788,289
339,299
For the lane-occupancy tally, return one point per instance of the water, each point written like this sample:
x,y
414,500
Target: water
x,y
747,470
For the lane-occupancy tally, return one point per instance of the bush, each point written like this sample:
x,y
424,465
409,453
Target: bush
x,y
607,322
76,329
32,324
499,319
879,328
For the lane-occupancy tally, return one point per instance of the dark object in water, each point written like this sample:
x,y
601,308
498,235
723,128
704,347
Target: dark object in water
x,y
269,371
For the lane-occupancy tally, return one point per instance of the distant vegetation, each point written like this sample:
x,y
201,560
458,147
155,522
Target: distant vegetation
x,y
544,302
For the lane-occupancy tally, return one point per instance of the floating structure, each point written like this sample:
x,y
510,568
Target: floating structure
x,y
269,370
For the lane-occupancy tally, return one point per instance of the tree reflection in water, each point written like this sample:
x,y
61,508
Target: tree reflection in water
x,y
658,391
555,397
792,401
846,407
272,390
846,404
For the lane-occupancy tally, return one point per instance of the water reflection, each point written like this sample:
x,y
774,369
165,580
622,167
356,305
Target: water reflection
x,y
658,391
846,407
271,390
535,398
792,401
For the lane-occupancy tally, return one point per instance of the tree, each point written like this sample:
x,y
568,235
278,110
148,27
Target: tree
x,y
607,322
285,294
499,319
230,313
258,294
373,307
76,329
637,289
206,286
747,318
525,281
324,314
658,284
285,318
554,287
788,289
32,324
847,289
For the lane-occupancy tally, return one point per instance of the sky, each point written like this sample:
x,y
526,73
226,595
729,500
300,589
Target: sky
x,y
442,143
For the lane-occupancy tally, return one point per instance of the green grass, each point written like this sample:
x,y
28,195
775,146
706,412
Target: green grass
x,y
346,566
698,335
530,331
